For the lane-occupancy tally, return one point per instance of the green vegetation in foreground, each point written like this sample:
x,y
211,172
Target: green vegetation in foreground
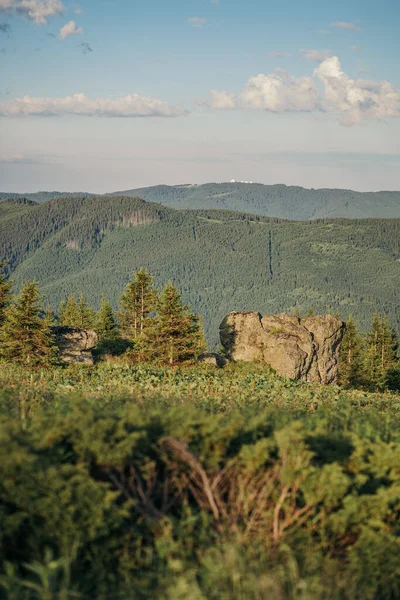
x,y
195,483
221,260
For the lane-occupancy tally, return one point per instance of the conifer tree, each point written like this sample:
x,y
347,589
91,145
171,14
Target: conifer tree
x,y
106,326
75,313
351,357
137,303
178,335
26,337
380,356
5,294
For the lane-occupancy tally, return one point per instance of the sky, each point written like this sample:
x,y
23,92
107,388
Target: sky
x,y
105,95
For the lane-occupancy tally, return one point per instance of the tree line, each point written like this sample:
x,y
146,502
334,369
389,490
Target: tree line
x,y
154,327
148,327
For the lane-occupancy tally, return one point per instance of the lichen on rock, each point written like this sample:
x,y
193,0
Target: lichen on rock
x,y
298,348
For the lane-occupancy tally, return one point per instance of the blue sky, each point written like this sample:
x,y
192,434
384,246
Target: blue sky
x,y
294,92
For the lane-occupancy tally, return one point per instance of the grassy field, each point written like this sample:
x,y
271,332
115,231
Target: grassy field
x,y
195,483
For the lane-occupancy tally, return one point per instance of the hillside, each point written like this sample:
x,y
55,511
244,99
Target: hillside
x,y
40,197
286,202
221,260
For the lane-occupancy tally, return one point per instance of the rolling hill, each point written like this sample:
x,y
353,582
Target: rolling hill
x,y
221,260
286,202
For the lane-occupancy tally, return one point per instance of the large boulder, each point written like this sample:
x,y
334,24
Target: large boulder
x,y
75,344
298,348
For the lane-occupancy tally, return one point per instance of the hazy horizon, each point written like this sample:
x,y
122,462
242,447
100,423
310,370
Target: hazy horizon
x,y
111,95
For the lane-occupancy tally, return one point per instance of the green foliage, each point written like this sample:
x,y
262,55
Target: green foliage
x,y
177,334
222,260
26,337
137,303
287,202
5,294
153,482
75,313
106,325
380,354
351,372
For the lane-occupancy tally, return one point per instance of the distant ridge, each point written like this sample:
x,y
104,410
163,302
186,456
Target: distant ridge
x,y
281,201
286,202
41,197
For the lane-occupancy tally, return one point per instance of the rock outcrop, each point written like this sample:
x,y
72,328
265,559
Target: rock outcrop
x,y
298,348
75,345
212,358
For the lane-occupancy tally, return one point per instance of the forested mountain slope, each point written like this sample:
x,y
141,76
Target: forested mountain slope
x,y
287,202
221,260
42,196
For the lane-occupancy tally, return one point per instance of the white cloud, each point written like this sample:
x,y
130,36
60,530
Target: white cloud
x,y
345,25
197,21
132,105
316,55
355,100
38,11
78,11
355,48
69,28
220,100
280,92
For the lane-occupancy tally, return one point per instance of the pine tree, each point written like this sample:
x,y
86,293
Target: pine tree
x,y
380,356
5,294
26,337
137,304
351,357
106,326
178,335
75,313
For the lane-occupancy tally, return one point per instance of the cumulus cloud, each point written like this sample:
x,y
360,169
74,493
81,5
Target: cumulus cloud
x,y
316,55
220,100
197,21
69,28
38,11
280,92
355,100
132,105
345,25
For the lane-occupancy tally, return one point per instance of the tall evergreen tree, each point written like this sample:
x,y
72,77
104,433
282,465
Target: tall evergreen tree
x,y
5,294
106,326
137,304
380,356
75,313
26,337
351,357
178,334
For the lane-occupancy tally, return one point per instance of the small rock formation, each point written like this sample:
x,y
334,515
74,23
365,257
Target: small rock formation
x,y
75,345
298,348
212,358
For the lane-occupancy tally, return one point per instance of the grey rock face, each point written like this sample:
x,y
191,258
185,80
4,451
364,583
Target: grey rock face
x,y
75,345
212,358
297,348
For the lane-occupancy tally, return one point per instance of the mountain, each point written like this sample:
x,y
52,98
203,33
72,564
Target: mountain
x,y
286,202
221,260
40,197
